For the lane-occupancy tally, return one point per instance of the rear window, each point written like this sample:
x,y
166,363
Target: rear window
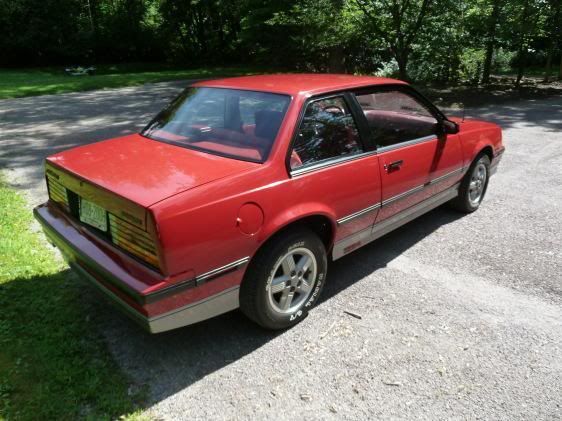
x,y
229,122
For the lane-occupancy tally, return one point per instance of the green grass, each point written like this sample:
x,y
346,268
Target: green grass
x,y
53,362
42,81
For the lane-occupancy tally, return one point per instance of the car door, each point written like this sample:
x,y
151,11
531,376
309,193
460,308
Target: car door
x,y
331,166
410,151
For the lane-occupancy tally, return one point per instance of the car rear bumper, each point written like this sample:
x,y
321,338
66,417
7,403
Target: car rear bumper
x,y
135,288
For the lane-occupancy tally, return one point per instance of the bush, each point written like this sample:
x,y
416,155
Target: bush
x,y
472,60
502,60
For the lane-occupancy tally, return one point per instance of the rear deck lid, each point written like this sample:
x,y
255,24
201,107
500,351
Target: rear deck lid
x,y
145,171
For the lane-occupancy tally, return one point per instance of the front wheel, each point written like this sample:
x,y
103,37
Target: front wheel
x,y
284,280
473,186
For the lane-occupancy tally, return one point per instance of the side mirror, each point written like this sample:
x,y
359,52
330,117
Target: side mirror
x,y
448,127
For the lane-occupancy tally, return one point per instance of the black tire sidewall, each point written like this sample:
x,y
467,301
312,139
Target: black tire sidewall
x,y
268,315
465,189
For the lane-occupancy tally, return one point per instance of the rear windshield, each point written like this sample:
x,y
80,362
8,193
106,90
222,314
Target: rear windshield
x,y
228,122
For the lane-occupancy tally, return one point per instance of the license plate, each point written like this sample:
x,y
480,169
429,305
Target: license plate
x,y
93,215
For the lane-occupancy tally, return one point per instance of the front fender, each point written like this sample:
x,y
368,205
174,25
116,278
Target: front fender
x,y
477,135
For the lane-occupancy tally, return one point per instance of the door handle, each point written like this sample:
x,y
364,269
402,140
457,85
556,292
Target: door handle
x,y
393,165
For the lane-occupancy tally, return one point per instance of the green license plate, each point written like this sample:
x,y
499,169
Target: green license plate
x,y
93,215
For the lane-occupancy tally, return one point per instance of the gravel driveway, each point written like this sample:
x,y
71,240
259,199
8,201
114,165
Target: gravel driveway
x,y
461,316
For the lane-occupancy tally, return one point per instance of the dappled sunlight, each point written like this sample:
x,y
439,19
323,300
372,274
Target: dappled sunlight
x,y
171,362
36,127
545,114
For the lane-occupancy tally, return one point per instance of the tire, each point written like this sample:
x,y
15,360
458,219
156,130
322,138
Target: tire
x,y
473,186
277,294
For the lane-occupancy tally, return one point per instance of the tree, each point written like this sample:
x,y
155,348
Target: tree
x,y
555,39
397,23
202,29
322,32
491,39
526,25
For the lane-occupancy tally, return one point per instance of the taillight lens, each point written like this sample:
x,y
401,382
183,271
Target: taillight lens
x,y
57,192
133,239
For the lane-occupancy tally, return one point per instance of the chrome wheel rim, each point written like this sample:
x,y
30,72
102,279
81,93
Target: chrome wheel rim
x,y
292,280
477,184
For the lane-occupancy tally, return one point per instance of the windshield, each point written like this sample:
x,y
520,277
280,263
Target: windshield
x,y
228,122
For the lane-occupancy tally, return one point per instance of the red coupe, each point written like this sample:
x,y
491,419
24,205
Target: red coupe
x,y
242,189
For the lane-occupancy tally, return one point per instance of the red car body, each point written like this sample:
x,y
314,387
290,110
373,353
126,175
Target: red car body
x,y
206,215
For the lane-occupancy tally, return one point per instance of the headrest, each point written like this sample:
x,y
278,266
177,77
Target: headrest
x,y
267,123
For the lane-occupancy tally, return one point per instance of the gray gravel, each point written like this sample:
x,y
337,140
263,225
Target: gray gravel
x,y
461,316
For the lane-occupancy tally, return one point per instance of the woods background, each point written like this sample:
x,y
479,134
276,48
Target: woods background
x,y
429,40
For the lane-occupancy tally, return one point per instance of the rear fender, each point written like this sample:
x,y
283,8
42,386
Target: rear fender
x,y
294,214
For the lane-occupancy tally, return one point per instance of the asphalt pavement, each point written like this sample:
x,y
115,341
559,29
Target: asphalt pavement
x,y
460,315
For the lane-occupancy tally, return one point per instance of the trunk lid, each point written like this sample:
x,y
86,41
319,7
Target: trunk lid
x,y
145,171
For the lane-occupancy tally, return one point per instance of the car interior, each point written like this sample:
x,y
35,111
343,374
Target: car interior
x,y
236,138
395,117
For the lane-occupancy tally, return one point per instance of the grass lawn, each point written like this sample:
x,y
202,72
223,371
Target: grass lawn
x,y
41,81
53,362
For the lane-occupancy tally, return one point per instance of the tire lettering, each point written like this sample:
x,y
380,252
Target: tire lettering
x,y
316,290
296,245
297,314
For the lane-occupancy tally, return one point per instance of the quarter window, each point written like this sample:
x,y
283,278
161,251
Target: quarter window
x,y
327,131
395,117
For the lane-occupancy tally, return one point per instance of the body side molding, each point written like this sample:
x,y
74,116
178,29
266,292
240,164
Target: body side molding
x,y
367,235
399,196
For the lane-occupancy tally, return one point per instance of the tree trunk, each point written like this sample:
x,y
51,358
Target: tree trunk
x,y
560,68
521,67
554,34
491,41
336,60
548,66
524,25
402,60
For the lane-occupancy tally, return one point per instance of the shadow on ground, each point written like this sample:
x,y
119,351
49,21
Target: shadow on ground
x,y
171,361
36,127
53,360
33,128
548,117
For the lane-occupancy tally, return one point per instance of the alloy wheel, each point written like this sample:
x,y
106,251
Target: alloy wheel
x,y
477,184
293,280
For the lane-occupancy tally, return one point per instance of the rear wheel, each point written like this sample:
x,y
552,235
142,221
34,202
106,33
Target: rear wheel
x,y
284,280
473,186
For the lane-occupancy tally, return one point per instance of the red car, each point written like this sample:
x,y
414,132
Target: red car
x,y
242,189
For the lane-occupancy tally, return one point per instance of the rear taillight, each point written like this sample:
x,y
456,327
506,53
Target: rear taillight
x,y
128,231
133,240
57,192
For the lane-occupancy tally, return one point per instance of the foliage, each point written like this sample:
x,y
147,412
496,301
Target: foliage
x,y
444,40
53,363
397,24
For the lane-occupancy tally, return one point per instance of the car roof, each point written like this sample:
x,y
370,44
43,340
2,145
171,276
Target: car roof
x,y
298,84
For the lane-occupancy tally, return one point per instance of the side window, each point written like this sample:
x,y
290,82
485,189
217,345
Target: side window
x,y
327,131
396,117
